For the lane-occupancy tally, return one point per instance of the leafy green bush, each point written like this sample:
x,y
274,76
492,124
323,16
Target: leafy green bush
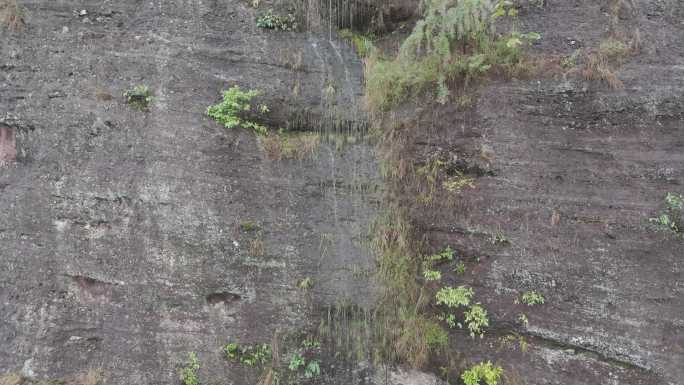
x,y
277,22
476,319
139,97
235,105
188,375
454,297
483,371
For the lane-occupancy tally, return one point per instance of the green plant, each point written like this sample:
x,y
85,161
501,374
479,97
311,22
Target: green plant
x,y
277,22
432,275
476,319
531,298
454,297
672,219
674,201
453,41
188,374
483,371
312,369
232,350
460,268
139,97
250,355
235,105
296,362
444,255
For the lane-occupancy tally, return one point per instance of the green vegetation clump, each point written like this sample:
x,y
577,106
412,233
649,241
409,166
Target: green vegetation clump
x,y
235,106
531,298
475,315
432,275
444,255
139,97
296,362
250,355
483,371
476,319
454,42
454,297
277,22
188,374
312,368
672,218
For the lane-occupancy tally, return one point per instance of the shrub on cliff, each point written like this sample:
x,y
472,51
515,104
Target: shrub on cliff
x,y
455,41
236,109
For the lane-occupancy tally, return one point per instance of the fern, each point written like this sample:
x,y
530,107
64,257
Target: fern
x,y
449,22
454,41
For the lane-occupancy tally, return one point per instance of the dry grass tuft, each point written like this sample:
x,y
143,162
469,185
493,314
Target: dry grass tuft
x,y
290,146
11,379
294,60
598,68
92,377
256,248
11,15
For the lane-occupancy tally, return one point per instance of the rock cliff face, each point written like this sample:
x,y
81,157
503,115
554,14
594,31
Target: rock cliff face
x,y
130,238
